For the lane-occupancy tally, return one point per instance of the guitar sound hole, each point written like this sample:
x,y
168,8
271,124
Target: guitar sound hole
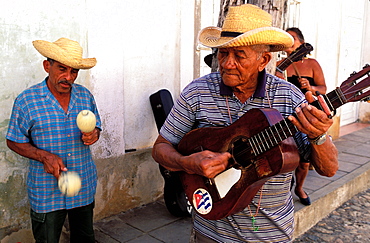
x,y
241,151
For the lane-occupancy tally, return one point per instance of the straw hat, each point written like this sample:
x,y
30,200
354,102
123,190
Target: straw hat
x,y
65,51
246,25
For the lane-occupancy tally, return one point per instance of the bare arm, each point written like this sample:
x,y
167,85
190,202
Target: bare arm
x,y
205,163
314,123
324,158
318,77
53,164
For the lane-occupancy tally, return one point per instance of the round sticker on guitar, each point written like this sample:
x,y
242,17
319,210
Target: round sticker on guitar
x,y
202,201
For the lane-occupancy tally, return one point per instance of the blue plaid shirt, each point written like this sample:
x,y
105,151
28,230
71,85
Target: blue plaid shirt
x,y
38,118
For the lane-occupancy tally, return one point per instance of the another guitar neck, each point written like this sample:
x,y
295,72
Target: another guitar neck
x,y
296,55
283,65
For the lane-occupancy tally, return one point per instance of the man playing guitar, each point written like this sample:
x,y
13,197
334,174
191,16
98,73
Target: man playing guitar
x,y
244,44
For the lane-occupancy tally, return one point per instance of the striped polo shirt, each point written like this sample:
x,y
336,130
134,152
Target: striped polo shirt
x,y
38,118
205,103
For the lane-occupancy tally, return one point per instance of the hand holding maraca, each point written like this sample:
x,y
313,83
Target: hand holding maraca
x,y
86,122
69,183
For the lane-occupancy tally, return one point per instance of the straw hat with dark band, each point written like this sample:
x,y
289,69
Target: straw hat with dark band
x,y
65,51
246,25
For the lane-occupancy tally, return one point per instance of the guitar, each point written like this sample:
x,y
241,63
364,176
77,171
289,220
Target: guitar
x,y
295,56
261,146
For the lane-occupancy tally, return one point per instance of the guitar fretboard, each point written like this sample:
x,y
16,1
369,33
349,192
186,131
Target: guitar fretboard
x,y
283,65
272,136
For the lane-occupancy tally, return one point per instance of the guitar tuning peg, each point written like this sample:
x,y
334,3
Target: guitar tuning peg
x,y
366,99
352,74
366,65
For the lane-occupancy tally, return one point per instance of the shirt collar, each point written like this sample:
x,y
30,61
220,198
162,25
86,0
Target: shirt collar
x,y
260,90
44,88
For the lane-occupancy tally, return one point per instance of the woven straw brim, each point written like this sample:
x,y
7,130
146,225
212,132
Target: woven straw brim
x,y
277,39
71,57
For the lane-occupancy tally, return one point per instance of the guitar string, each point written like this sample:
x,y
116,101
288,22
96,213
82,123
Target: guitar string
x,y
346,89
288,60
282,129
344,92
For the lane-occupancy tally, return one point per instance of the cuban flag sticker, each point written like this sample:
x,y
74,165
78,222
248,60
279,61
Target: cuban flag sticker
x,y
202,201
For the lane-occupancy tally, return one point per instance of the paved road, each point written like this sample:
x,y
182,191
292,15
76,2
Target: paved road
x,y
348,223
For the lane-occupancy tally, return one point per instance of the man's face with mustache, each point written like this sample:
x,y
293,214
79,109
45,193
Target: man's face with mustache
x,y
61,77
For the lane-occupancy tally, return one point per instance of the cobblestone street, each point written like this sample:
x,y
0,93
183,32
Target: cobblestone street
x,y
348,223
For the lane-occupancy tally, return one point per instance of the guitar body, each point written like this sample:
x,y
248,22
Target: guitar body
x,y
255,170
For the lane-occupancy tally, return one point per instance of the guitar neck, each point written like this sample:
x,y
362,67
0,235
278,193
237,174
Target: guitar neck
x,y
272,136
283,65
334,100
296,55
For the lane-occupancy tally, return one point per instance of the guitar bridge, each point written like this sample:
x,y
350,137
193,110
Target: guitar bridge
x,y
262,167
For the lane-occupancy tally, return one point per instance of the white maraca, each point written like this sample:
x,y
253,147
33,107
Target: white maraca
x,y
69,183
86,121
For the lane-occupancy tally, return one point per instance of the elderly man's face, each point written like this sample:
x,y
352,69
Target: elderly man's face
x,y
61,77
239,66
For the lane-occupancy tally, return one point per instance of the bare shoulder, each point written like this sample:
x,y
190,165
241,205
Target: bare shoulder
x,y
312,61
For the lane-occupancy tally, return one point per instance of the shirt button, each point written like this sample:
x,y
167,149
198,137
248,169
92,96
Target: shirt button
x,y
69,154
240,114
69,135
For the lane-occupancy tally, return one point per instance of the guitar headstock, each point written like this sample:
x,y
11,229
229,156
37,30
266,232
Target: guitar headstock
x,y
300,52
356,87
